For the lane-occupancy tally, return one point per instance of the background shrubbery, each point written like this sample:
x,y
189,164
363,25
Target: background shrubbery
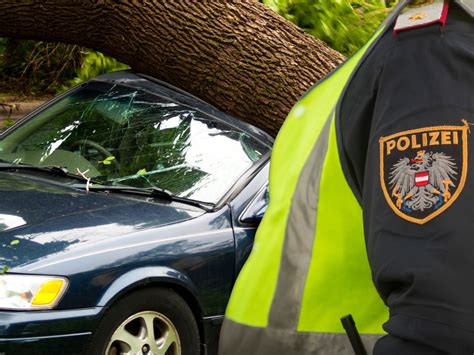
x,y
344,25
32,68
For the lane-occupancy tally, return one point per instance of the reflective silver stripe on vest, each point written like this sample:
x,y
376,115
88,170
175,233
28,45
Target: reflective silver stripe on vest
x,y
268,341
301,226
299,238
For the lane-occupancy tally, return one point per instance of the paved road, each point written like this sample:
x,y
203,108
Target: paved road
x,y
13,110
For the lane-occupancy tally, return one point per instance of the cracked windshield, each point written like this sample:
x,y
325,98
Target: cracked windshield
x,y
123,136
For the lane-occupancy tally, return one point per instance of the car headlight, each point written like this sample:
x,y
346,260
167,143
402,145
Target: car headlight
x,y
30,292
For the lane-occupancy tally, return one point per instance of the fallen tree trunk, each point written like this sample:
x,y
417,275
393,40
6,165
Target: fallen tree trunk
x,y
238,55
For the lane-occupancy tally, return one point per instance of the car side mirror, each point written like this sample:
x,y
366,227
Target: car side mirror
x,y
254,212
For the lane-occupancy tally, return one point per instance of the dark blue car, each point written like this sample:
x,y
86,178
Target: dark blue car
x,y
127,209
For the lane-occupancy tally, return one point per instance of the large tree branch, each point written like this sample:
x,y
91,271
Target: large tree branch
x,y
238,55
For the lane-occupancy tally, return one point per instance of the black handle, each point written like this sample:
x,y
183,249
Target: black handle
x,y
353,335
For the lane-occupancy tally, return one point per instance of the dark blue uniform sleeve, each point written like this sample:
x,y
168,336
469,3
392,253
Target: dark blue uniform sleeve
x,y
407,149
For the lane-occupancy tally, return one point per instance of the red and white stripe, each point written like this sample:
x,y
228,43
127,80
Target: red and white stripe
x,y
422,178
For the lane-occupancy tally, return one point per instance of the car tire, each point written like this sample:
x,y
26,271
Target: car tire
x,y
124,327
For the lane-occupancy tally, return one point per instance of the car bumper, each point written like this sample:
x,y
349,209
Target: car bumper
x,y
47,332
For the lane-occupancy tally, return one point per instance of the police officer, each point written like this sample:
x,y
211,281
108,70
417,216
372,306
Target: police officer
x,y
371,193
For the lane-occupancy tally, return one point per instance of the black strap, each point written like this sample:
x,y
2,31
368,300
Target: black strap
x,y
353,335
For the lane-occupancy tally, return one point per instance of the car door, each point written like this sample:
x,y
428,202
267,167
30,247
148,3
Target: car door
x,y
247,211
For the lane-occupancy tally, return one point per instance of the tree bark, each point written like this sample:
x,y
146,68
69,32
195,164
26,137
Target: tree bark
x,y
237,55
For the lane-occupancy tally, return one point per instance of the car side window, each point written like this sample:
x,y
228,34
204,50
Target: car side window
x,y
254,212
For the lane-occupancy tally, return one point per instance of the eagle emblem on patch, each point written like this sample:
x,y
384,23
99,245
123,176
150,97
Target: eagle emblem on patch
x,y
423,171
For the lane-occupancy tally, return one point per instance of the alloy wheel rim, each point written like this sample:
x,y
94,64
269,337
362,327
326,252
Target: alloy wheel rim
x,y
148,332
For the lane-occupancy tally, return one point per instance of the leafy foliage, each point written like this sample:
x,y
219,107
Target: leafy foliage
x,y
3,45
344,25
94,64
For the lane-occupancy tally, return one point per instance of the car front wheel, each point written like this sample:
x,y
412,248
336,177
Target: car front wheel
x,y
153,321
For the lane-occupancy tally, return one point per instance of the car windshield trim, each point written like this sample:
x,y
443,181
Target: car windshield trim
x,y
53,170
153,192
244,179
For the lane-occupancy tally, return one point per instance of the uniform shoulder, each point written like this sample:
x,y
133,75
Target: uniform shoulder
x,y
422,13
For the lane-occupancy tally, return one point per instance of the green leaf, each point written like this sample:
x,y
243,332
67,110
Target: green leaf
x,y
4,269
15,242
107,161
141,172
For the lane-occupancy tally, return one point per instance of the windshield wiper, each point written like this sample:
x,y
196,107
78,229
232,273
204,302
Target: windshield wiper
x,y
153,192
55,170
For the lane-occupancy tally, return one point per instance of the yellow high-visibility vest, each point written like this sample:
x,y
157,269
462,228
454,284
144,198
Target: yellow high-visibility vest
x,y
308,266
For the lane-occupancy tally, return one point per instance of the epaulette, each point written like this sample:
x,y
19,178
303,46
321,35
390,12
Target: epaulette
x,y
467,5
421,13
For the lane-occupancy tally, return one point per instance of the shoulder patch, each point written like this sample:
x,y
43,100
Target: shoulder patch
x,y
423,171
421,13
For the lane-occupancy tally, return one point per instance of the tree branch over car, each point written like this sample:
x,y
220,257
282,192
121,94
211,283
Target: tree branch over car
x,y
240,56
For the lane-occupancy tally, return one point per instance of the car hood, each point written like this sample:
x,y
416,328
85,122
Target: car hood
x,y
38,219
